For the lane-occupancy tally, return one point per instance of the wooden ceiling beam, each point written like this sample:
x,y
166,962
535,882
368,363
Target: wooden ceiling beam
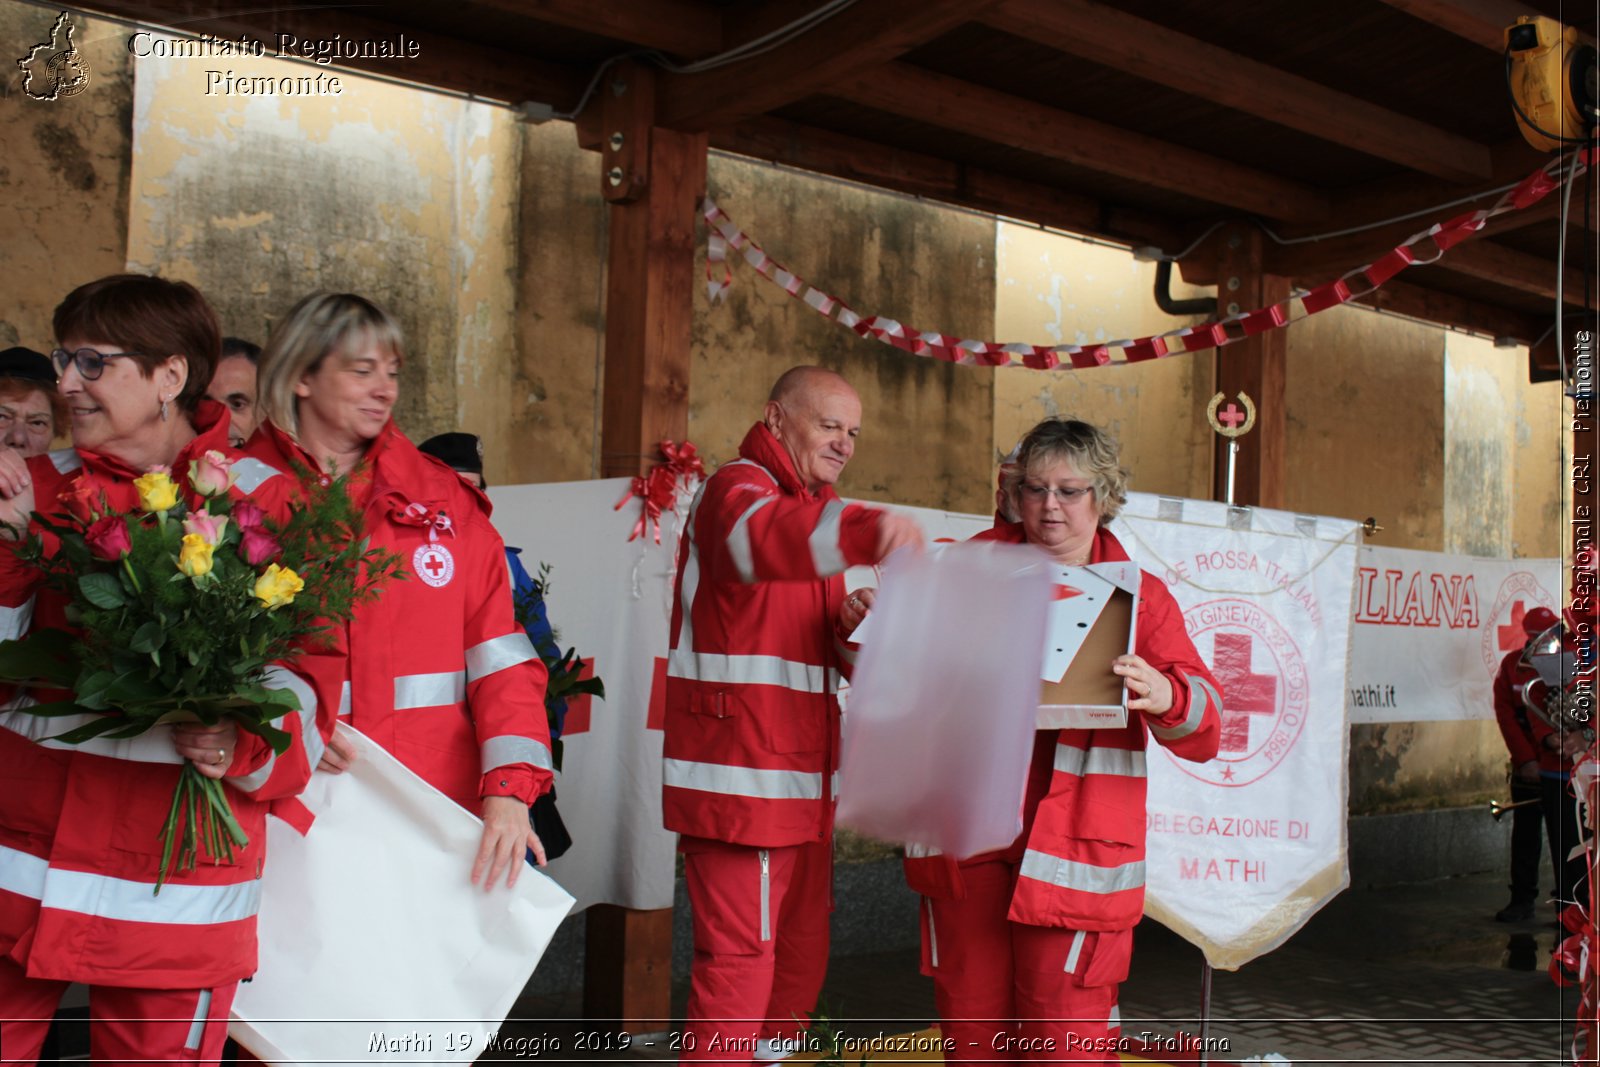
x,y
1104,35
851,158
1509,267
940,100
861,36
1483,22
689,29
442,62
1448,309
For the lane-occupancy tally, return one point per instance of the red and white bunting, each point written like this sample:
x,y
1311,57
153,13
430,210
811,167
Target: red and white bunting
x,y
1361,281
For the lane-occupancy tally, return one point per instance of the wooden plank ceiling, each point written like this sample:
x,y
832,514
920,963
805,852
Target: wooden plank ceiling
x,y
1141,121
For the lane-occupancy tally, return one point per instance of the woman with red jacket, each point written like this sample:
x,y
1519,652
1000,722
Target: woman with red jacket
x,y
1027,945
80,825
439,672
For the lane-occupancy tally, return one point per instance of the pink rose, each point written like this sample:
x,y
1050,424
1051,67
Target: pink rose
x,y
212,473
108,538
208,527
247,515
258,545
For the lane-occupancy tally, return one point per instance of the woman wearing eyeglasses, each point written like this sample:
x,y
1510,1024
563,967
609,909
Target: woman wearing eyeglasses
x,y
440,674
80,824
1027,945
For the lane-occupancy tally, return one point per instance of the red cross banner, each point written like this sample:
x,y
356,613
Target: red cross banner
x,y
1247,847
1431,631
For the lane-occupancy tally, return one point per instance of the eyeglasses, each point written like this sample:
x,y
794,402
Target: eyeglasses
x,y
1064,496
90,364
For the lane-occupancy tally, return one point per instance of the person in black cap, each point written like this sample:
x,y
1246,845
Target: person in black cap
x,y
463,453
30,408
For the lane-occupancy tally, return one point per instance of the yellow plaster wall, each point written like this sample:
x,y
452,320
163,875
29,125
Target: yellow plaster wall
x,y
1052,289
406,197
63,173
926,436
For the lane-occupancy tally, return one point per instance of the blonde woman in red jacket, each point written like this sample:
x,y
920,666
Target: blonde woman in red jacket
x,y
1027,945
440,674
80,842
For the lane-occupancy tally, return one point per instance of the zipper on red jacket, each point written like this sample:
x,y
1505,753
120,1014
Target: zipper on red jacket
x,y
766,895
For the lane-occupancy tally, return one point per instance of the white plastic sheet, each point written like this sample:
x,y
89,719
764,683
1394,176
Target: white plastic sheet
x,y
374,945
941,710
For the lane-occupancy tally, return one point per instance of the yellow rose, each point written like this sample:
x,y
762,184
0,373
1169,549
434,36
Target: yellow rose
x,y
157,490
194,559
277,586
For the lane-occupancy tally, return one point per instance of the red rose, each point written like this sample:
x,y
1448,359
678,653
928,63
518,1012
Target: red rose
x,y
108,537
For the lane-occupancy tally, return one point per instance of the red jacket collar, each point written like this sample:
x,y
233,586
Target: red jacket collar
x,y
398,467
210,421
1106,547
759,446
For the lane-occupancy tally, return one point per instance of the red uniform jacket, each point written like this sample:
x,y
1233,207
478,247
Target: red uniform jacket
x,y
439,673
80,825
1521,728
752,716
1083,839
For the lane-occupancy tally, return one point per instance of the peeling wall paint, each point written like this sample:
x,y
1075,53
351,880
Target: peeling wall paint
x,y
926,426
1052,289
64,173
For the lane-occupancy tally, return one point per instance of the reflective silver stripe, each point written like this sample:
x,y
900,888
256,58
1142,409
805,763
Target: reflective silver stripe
x,y
739,547
498,653
689,581
65,460
1072,953
14,622
766,895
1114,1020
1127,763
124,901
845,651
197,1028
915,851
747,670
344,700
1199,690
429,690
311,742
154,746
1083,877
509,748
252,474
826,555
933,935
741,781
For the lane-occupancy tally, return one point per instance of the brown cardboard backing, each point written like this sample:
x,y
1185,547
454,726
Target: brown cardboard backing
x,y
1089,680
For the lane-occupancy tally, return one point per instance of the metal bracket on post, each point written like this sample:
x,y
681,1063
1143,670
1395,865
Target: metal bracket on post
x,y
627,113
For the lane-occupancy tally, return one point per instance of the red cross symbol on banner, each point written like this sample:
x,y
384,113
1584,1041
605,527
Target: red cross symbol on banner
x,y
1511,635
1230,416
1243,693
579,707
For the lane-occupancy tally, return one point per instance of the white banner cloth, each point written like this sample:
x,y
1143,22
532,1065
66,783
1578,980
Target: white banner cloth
x,y
1431,630
1243,849
931,705
374,945
612,599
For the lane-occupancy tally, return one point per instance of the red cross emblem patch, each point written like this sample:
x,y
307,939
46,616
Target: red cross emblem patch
x,y
433,564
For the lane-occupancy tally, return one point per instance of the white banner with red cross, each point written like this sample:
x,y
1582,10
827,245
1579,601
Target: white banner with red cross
x,y
1431,630
1243,849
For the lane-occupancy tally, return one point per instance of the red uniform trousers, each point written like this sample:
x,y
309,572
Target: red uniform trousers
x,y
1008,990
126,1026
760,943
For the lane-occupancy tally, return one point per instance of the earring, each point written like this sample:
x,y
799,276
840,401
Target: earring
x,y
163,409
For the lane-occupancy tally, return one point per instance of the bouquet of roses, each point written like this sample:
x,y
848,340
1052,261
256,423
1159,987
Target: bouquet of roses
x,y
178,612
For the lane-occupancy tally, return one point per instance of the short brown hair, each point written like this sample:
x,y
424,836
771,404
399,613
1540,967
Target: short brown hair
x,y
151,317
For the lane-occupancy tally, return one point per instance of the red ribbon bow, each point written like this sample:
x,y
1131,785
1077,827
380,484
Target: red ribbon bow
x,y
681,465
434,519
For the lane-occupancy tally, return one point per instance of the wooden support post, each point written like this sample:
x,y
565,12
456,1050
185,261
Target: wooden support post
x,y
654,179
1254,366
650,305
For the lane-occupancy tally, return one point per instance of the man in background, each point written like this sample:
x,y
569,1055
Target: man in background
x,y
234,387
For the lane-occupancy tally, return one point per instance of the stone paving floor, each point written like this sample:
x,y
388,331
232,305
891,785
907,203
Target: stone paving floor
x,y
1414,974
